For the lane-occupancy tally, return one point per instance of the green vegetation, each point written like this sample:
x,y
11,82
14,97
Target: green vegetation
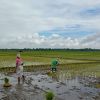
x,y
6,82
49,96
81,61
7,58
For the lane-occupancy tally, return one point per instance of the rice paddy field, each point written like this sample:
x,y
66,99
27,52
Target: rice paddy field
x,y
8,58
77,76
83,61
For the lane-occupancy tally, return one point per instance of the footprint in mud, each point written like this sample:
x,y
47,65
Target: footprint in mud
x,y
96,97
66,92
58,86
59,93
75,88
62,83
80,97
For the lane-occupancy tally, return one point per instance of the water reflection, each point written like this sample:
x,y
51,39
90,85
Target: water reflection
x,y
70,84
85,83
85,78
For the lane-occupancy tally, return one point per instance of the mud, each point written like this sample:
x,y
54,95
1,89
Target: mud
x,y
64,86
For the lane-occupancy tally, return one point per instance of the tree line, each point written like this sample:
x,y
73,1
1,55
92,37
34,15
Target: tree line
x,y
50,49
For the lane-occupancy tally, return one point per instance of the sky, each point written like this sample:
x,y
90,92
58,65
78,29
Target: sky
x,y
50,24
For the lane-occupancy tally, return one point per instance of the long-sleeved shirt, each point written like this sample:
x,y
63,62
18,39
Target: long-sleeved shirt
x,y
18,62
54,63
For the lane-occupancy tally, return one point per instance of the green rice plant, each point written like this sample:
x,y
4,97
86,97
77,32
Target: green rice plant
x,y
49,95
6,82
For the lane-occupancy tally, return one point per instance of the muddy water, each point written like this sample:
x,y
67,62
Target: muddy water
x,y
12,63
65,86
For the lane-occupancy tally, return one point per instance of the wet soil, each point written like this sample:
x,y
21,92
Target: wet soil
x,y
62,85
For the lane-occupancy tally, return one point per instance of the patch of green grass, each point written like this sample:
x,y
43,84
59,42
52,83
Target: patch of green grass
x,y
49,95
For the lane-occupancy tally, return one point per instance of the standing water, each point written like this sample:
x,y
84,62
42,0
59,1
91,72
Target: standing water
x,y
66,85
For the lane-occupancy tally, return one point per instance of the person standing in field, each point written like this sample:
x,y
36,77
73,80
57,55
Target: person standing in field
x,y
54,64
19,68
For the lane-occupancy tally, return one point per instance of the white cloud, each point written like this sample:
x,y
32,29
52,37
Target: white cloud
x,y
22,20
53,41
91,38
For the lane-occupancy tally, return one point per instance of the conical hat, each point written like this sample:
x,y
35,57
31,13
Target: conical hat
x,y
18,54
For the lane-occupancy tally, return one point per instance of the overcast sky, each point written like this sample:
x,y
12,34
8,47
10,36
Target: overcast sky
x,y
49,24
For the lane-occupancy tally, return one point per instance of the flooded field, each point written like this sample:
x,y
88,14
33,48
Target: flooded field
x,y
65,84
11,62
7,58
77,76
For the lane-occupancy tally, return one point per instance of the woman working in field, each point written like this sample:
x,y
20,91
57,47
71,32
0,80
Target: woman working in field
x,y
54,64
19,68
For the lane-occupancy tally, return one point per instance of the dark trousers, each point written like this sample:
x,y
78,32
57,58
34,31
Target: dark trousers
x,y
53,69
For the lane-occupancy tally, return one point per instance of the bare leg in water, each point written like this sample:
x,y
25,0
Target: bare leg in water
x,y
23,78
18,80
